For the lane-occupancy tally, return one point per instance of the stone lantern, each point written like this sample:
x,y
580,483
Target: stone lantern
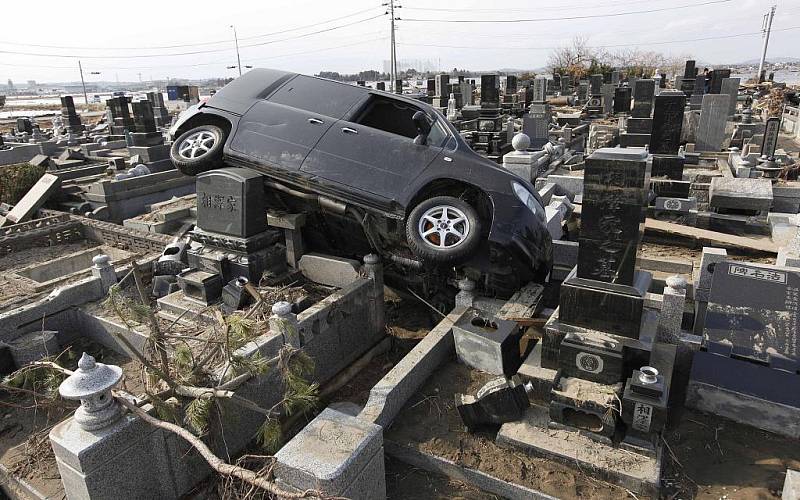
x,y
91,383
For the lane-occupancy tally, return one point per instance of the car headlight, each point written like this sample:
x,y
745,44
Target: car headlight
x,y
528,199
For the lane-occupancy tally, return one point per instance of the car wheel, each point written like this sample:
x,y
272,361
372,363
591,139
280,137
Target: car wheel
x,y
443,230
198,150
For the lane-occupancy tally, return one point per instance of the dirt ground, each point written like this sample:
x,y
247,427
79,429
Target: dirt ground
x,y
24,426
654,250
713,457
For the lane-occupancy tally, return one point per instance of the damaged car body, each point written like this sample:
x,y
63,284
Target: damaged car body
x,y
374,172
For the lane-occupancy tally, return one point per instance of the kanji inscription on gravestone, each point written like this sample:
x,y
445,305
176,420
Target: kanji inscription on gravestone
x,y
230,201
755,307
771,131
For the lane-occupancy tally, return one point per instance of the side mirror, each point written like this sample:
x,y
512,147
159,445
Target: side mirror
x,y
423,124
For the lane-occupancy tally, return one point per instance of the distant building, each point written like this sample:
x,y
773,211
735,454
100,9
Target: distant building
x,y
10,84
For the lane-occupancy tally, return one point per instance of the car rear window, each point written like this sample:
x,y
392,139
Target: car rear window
x,y
318,96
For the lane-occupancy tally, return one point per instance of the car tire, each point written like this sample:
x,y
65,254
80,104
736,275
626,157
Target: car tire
x,y
443,230
198,150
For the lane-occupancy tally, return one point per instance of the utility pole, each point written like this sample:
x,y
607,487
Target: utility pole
x,y
236,41
83,83
765,28
393,54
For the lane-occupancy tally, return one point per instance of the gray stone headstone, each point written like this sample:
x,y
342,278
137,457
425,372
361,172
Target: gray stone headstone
x,y
730,86
230,201
713,118
643,93
535,124
607,91
33,200
539,89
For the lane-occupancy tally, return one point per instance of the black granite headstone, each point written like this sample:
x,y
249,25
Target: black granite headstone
x,y
622,100
669,166
595,83
756,308
490,91
431,86
511,84
771,131
398,86
230,201
615,189
380,86
143,117
689,70
442,85
716,80
667,122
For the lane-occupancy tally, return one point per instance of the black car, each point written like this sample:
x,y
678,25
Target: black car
x,y
376,172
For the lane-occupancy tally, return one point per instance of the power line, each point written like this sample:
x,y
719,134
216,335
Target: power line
x,y
599,46
147,56
175,46
537,9
565,18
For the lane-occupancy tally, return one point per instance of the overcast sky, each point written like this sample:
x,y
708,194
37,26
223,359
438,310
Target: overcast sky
x,y
95,31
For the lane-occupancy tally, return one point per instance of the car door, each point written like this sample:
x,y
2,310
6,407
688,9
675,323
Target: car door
x,y
281,130
359,153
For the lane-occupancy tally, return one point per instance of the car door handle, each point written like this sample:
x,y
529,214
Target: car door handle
x,y
348,130
315,121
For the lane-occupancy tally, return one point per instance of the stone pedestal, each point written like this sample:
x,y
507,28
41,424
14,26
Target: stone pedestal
x,y
338,454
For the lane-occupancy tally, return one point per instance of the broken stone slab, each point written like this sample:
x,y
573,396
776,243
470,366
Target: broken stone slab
x,y
45,187
329,270
336,453
499,401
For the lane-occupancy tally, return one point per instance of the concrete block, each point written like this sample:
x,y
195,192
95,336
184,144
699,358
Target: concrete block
x,y
337,454
329,270
487,343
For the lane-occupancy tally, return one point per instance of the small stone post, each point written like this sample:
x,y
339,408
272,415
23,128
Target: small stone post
x,y
520,161
466,294
284,321
374,270
103,269
672,306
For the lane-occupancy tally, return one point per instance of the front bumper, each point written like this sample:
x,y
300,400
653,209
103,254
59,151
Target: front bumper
x,y
523,236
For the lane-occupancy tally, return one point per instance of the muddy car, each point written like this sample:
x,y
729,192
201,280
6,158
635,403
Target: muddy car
x,y
374,172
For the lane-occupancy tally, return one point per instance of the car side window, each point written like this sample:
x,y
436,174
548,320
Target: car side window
x,y
318,96
395,117
437,136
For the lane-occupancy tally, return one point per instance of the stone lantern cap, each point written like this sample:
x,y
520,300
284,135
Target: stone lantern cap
x,y
89,379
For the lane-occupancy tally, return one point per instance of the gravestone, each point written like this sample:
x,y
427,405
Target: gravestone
x,y
622,100
120,115
669,166
564,85
539,90
713,119
380,86
755,307
431,87
511,84
730,86
605,292
160,111
583,91
665,137
535,124
143,117
770,141
615,78
717,76
490,91
696,101
615,186
69,116
689,70
596,82
643,93
230,201
442,85
607,91
24,125
398,86
689,75
33,200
